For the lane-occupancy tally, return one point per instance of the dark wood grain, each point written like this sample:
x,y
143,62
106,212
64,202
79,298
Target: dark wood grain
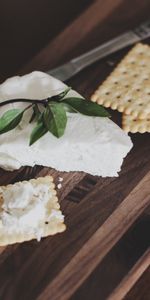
x,y
92,253
99,211
140,286
28,25
100,22
117,263
132,277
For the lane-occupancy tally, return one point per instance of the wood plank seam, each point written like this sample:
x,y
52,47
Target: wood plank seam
x,y
132,277
96,248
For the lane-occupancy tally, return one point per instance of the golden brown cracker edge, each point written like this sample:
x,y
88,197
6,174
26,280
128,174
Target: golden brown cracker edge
x,y
134,125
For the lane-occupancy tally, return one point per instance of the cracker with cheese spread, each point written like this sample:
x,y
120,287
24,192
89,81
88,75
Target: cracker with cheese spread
x,y
29,210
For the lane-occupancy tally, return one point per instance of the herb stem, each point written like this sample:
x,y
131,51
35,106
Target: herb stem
x,y
33,101
28,107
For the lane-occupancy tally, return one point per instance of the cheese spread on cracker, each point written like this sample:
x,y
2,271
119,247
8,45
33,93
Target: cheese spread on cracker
x,y
29,210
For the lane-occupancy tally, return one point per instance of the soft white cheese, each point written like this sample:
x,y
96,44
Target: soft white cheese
x,y
90,144
24,208
13,194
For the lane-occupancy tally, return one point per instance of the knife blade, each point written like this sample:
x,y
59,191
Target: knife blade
x,y
74,66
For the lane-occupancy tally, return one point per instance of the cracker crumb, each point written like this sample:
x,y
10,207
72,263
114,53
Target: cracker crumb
x,y
60,179
59,186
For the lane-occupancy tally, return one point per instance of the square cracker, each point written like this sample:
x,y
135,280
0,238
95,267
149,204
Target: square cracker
x,y
54,225
127,89
131,124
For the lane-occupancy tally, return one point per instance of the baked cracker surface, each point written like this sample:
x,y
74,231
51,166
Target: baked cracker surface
x,y
134,125
127,88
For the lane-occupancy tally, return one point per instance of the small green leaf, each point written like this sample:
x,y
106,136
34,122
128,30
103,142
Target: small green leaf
x,y
67,107
32,117
60,96
86,107
10,120
38,131
36,113
55,119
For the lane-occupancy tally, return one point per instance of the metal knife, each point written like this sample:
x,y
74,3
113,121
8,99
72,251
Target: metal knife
x,y
74,66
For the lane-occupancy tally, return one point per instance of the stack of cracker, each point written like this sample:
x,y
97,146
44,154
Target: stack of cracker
x,y
127,89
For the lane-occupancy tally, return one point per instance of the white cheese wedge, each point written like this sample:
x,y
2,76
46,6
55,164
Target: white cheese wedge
x,y
91,144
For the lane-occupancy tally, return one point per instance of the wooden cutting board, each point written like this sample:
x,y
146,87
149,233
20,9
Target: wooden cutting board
x,y
103,215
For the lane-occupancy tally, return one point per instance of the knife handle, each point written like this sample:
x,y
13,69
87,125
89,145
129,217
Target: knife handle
x,y
74,66
124,40
110,47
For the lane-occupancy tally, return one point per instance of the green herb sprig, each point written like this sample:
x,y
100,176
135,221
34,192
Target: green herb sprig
x,y
52,117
